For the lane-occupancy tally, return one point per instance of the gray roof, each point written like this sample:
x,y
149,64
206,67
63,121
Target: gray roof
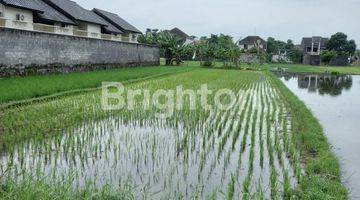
x,y
110,28
45,12
180,33
50,14
307,41
252,40
116,21
24,4
75,11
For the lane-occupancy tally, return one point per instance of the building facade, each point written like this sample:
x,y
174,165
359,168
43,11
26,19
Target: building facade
x,y
62,17
129,32
312,48
252,42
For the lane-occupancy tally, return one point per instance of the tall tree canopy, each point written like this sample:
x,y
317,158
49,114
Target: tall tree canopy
x,y
169,44
341,45
218,47
288,47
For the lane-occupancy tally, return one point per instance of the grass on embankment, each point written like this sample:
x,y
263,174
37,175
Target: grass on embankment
x,y
298,68
21,88
322,168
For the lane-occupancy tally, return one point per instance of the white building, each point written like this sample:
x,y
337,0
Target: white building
x,y
64,17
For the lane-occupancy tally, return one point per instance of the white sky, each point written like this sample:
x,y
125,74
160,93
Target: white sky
x,y
282,19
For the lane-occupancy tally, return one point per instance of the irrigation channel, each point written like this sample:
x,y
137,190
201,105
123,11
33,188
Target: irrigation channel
x,y
246,152
334,100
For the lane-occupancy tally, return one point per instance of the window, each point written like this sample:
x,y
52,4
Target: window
x,y
308,49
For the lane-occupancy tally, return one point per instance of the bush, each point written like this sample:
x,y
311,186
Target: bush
x,y
326,56
207,64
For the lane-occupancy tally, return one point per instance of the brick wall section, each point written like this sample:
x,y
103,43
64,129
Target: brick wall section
x,y
26,52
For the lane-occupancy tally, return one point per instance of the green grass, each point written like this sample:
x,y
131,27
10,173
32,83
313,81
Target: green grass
x,y
322,168
21,88
31,189
298,68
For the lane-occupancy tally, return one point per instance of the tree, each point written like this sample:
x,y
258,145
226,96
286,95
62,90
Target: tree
x,y
327,55
351,47
289,45
287,48
150,37
339,43
170,45
272,46
217,47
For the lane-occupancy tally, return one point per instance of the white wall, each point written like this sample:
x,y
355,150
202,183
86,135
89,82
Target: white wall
x,y
133,37
67,30
11,22
2,8
94,30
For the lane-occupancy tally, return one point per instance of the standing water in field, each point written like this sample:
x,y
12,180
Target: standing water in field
x,y
248,151
335,101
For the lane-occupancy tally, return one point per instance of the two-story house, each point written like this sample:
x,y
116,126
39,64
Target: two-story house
x,y
312,47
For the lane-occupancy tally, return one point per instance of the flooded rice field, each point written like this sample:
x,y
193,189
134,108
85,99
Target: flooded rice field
x,y
249,152
335,101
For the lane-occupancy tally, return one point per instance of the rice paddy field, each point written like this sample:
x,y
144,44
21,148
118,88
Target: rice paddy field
x,y
70,148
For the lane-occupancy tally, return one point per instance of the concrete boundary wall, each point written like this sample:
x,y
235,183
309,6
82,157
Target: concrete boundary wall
x,y
28,52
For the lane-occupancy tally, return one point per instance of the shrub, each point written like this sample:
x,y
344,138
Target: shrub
x,y
326,56
207,64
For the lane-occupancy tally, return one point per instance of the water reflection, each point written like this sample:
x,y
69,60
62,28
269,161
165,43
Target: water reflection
x,y
321,84
334,100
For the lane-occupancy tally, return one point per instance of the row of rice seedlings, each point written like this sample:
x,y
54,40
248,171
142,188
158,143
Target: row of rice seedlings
x,y
291,145
192,149
230,129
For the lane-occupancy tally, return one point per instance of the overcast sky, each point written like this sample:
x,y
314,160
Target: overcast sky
x,y
282,19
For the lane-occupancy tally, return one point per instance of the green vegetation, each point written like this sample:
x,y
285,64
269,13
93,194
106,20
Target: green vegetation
x,y
322,168
276,46
267,146
77,127
20,88
340,44
327,55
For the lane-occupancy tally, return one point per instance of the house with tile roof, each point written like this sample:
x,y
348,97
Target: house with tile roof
x,y
251,42
18,13
185,38
129,32
88,24
65,17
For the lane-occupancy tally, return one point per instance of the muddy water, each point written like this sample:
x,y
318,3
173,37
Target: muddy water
x,y
335,101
